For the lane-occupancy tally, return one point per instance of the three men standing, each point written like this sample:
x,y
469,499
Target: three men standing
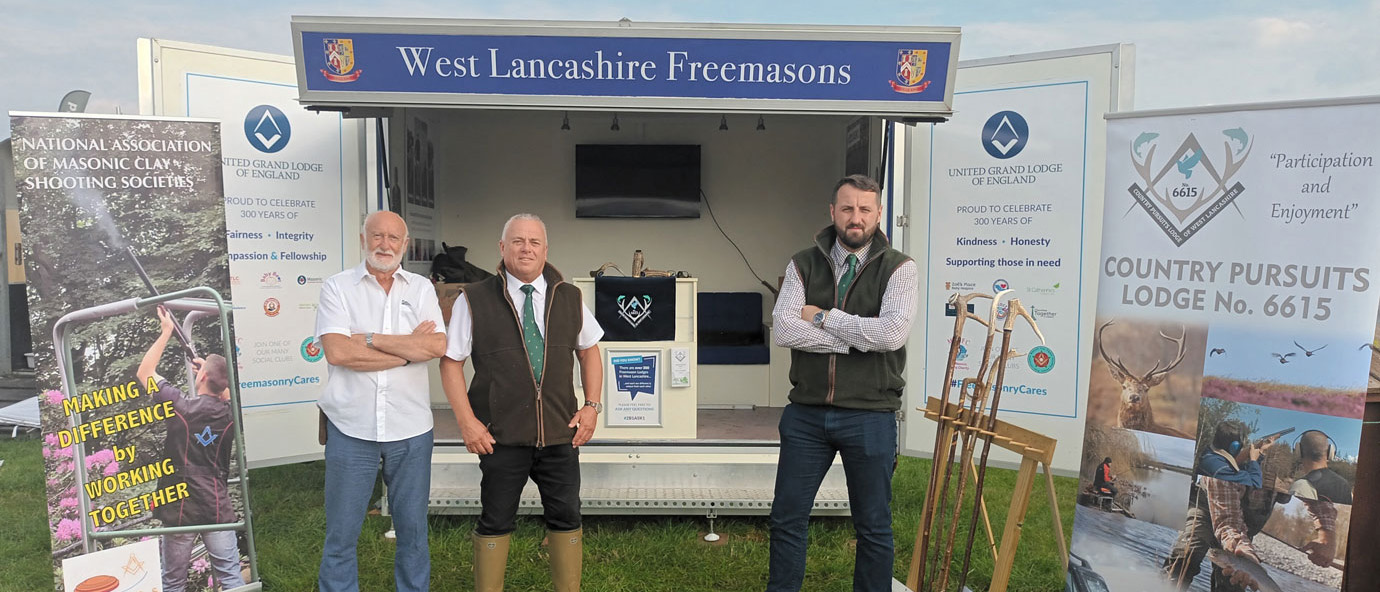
x,y
845,310
525,328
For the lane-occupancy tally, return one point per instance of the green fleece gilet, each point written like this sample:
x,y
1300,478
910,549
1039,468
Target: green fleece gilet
x,y
857,380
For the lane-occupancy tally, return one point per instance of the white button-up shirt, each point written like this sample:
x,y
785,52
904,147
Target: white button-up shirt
x,y
460,335
387,405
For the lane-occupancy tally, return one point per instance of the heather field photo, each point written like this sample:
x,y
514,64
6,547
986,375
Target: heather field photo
x,y
1315,373
1341,403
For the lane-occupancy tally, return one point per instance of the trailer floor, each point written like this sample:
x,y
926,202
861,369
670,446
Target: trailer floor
x,y
713,424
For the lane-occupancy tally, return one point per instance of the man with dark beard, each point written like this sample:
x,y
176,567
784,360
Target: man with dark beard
x,y
845,311
378,324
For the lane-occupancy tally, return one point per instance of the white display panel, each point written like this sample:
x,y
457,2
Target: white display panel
x,y
1009,194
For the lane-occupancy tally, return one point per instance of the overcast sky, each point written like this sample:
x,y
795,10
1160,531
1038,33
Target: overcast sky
x,y
1187,53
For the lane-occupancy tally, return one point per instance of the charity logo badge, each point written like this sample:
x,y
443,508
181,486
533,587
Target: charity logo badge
x,y
270,280
1185,191
311,350
962,352
910,71
272,307
1002,311
340,60
1040,359
1005,134
1000,286
267,128
301,280
635,309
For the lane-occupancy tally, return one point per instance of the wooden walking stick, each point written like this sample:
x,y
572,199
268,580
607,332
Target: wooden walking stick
x,y
1015,309
942,567
960,304
970,417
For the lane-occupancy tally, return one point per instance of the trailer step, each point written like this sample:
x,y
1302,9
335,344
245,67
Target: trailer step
x,y
647,500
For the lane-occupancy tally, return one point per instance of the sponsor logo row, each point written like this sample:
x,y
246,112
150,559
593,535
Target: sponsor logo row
x,y
273,280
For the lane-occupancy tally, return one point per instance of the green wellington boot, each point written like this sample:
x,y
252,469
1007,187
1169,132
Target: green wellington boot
x,y
567,558
490,561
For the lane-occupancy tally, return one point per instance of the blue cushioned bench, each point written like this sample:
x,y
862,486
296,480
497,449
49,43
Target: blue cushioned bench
x,y
730,329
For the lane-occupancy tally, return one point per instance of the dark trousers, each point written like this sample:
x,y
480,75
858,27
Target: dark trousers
x,y
555,470
810,438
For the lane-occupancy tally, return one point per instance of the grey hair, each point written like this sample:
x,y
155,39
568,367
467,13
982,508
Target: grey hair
x,y
522,216
364,228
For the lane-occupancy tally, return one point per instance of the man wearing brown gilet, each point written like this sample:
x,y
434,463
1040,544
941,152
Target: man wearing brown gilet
x,y
524,328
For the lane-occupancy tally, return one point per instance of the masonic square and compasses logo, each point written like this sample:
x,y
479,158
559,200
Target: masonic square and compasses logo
x,y
635,309
1188,190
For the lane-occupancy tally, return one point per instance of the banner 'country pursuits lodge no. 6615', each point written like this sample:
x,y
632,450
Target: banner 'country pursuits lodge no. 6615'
x,y
1235,318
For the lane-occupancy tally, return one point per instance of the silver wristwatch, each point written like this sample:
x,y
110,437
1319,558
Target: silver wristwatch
x,y
818,321
598,407
369,340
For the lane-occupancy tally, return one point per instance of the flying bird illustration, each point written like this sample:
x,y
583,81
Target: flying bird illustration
x,y
1283,358
1217,350
1368,345
1308,352
1189,161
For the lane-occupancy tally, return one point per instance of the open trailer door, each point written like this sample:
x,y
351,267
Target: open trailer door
x,y
1008,195
296,186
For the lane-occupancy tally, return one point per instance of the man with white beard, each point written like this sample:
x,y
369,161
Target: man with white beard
x,y
378,324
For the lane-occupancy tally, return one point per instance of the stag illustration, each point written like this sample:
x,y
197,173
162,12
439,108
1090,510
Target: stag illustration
x,y
1135,412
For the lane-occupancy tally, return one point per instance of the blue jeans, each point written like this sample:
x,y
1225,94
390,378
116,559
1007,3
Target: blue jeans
x,y
352,466
223,548
810,436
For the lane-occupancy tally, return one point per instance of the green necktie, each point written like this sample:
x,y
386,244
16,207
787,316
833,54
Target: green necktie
x,y
847,279
531,336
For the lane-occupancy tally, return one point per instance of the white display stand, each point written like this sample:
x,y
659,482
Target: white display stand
x,y
677,405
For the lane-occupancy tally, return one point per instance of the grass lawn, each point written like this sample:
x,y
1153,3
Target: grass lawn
x,y
621,553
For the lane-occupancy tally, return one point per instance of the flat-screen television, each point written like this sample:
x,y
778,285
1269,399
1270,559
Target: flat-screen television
x,y
637,181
